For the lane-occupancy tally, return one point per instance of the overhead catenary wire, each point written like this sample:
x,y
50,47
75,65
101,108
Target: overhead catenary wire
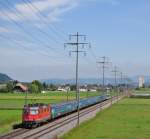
x,y
53,28
23,29
28,49
47,35
18,14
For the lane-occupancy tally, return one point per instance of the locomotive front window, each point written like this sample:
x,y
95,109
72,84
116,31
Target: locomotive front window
x,y
34,112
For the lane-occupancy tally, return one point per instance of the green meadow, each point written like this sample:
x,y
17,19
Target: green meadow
x,y
8,118
142,90
129,119
11,105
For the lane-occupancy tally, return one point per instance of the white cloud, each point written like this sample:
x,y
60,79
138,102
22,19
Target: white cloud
x,y
52,9
112,2
4,30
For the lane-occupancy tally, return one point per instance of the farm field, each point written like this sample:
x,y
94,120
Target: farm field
x,y
16,101
129,119
142,90
11,105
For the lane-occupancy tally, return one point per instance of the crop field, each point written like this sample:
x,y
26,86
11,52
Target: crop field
x,y
11,105
129,119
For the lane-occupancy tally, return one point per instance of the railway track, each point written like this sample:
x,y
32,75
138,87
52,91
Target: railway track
x,y
14,133
54,125
67,121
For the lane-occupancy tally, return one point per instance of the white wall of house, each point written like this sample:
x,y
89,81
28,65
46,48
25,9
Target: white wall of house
x,y
82,90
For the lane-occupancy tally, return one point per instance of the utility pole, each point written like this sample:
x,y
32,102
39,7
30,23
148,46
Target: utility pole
x,y
115,71
121,83
77,44
26,98
103,62
67,94
121,77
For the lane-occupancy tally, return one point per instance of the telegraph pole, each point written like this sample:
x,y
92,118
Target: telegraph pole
x,y
77,44
26,98
121,83
121,77
103,63
115,71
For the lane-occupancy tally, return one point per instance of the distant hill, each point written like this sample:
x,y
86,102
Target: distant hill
x,y
81,81
4,78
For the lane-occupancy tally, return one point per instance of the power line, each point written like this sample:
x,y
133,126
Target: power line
x,y
32,7
77,51
22,28
93,55
104,62
121,77
42,16
115,71
28,49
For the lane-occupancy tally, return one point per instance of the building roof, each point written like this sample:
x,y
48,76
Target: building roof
x,y
23,87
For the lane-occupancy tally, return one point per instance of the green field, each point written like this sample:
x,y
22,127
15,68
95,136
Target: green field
x,y
142,90
11,105
8,118
15,101
129,119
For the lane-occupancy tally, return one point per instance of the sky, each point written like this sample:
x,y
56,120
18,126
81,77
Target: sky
x,y
33,33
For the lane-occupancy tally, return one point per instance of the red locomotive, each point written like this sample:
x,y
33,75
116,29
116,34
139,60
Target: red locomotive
x,y
36,114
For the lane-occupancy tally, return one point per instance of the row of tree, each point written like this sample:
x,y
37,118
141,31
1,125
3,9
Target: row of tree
x,y
37,86
33,87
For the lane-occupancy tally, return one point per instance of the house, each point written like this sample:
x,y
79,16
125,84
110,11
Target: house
x,y
83,88
19,87
92,90
63,88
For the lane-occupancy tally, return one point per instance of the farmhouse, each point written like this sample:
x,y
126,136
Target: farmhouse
x,y
19,87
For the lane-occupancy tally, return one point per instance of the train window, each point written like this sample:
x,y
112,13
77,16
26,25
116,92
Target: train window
x,y
33,112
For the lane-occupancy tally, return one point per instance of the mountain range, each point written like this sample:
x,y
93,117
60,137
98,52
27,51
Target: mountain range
x,y
4,78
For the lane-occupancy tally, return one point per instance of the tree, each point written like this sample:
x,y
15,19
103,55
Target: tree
x,y
33,88
9,87
52,87
38,84
44,86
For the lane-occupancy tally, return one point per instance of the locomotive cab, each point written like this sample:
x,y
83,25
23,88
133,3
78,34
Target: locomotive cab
x,y
35,114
